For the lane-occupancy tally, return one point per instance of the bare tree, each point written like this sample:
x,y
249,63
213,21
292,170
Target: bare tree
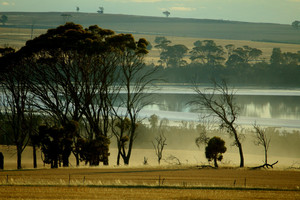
x,y
219,102
159,146
202,129
262,139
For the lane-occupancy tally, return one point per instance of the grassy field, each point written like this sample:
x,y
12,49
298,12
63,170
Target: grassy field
x,y
149,183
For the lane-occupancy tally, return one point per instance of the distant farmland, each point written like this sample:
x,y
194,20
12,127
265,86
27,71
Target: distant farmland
x,y
21,27
202,28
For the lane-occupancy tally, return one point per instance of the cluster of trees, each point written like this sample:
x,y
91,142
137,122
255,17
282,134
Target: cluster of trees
x,y
62,92
3,19
240,65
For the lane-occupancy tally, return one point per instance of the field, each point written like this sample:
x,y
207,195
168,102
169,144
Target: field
x,y
24,26
149,183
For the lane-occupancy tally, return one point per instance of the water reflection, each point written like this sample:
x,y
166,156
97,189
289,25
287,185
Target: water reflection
x,y
279,107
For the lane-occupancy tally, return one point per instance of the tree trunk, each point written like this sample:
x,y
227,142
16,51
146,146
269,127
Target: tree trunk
x,y
241,154
239,145
34,156
65,159
119,154
19,157
266,156
77,160
216,163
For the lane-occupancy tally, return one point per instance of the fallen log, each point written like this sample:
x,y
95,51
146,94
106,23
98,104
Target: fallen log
x,y
266,165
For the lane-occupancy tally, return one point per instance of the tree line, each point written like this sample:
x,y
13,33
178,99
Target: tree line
x,y
62,92
239,65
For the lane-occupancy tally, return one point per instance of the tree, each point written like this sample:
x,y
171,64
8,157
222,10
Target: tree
x,y
15,102
72,71
173,55
161,43
295,24
56,143
160,139
77,8
101,10
243,55
159,146
276,57
203,138
219,102
207,52
3,19
261,139
136,80
167,13
214,150
153,120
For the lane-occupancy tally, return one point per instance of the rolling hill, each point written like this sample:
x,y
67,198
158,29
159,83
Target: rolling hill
x,y
182,27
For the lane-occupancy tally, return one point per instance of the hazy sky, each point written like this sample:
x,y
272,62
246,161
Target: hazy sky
x,y
276,11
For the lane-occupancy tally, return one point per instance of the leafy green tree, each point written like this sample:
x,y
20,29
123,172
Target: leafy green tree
x,y
214,150
3,19
290,58
94,151
243,55
167,13
72,70
173,55
295,24
56,143
207,52
276,57
161,43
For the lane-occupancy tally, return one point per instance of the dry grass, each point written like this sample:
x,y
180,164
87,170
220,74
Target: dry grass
x,y
72,193
142,183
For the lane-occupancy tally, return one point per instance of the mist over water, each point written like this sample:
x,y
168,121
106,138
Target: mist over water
x,y
270,107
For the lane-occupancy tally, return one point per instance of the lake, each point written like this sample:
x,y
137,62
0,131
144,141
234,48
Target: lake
x,y
270,107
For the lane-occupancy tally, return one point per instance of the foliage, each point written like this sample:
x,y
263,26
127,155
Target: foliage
x,y
214,150
94,151
3,19
56,143
207,52
295,24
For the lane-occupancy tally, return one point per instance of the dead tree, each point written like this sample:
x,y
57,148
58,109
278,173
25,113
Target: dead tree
x,y
159,146
219,102
261,139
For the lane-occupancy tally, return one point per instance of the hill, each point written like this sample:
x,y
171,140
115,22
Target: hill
x,y
182,27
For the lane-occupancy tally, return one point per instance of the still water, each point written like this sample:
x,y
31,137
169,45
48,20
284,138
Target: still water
x,y
276,105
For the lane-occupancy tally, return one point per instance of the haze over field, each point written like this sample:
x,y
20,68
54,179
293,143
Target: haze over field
x,y
273,11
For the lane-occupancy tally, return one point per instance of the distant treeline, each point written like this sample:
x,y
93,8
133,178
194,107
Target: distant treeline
x,y
238,65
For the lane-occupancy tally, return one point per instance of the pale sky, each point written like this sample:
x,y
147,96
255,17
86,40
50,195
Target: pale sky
x,y
274,11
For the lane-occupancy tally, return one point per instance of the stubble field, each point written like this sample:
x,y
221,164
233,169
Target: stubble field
x,y
185,182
